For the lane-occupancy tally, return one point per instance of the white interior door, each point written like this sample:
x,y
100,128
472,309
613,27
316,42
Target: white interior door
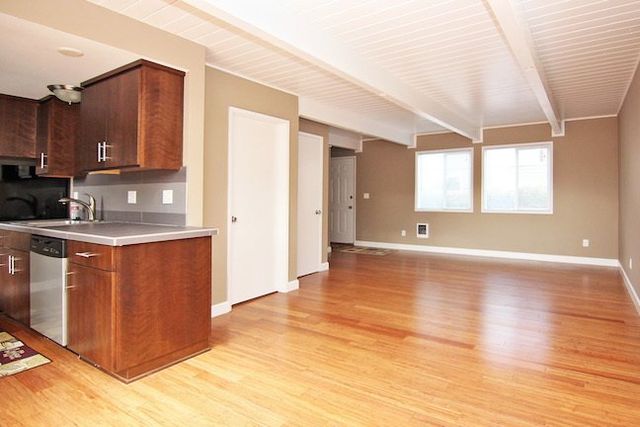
x,y
258,226
342,200
310,156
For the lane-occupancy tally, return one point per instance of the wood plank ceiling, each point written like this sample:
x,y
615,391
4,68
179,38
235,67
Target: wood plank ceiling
x,y
452,51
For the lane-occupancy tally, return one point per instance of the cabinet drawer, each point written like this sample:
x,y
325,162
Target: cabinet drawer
x,y
92,255
17,240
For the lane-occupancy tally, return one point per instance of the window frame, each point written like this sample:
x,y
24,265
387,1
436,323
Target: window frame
x,y
471,151
550,174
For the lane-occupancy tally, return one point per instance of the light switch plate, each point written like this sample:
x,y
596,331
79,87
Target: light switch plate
x,y
167,197
132,197
366,195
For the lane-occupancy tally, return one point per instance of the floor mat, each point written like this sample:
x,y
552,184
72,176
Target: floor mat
x,y
16,357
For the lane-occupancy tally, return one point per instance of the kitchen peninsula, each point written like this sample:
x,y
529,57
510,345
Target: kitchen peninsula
x,y
138,294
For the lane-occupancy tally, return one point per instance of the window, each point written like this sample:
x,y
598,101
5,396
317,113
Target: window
x,y
518,178
444,180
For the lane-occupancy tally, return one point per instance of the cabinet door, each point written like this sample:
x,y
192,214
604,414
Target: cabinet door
x,y
90,314
122,119
18,118
42,138
93,122
19,285
5,283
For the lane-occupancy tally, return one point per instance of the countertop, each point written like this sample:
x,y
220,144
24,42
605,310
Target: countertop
x,y
108,233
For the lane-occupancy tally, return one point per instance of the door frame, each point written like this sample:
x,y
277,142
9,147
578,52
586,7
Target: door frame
x,y
234,112
355,194
322,154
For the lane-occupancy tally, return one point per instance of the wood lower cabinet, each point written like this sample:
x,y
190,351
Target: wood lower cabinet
x,y
90,314
14,275
17,126
138,308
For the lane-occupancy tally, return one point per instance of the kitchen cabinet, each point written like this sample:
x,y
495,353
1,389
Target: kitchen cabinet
x,y
14,275
57,135
18,130
136,309
132,118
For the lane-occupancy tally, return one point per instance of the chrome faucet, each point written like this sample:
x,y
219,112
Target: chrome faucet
x,y
90,207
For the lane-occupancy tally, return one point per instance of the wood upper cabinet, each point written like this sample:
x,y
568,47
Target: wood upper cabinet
x,y
18,118
57,136
132,117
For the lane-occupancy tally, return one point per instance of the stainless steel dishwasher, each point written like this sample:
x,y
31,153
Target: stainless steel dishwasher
x,y
48,287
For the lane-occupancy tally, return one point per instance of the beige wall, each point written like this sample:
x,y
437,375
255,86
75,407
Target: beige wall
x,y
315,128
119,31
629,122
224,90
585,195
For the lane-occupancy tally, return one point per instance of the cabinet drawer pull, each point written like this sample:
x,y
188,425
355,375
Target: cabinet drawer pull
x,y
87,254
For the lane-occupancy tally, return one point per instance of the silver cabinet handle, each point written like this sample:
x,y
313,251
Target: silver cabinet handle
x,y
104,151
87,254
43,157
12,265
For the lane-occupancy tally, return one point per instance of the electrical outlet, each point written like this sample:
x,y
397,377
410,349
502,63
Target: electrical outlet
x,y
630,263
167,197
74,195
585,243
366,195
132,197
403,233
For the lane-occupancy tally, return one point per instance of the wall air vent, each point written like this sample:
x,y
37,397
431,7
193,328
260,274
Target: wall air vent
x,y
422,230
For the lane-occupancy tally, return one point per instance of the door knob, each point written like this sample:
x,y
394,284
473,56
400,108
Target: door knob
x,y
318,211
234,219
350,207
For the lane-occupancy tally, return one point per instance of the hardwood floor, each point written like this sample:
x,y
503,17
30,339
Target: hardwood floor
x,y
402,339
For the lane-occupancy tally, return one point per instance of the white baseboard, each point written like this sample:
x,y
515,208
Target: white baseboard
x,y
632,291
606,262
324,266
220,309
291,286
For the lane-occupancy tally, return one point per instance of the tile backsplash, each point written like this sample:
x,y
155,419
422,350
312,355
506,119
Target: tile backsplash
x,y
111,191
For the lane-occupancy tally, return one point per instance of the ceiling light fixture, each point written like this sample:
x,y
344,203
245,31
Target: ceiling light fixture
x,y
70,51
67,93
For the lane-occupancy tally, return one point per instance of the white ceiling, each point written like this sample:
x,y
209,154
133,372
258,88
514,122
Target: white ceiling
x,y
453,55
30,60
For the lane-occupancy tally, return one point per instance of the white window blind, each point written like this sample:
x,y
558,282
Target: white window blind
x,y
444,180
518,178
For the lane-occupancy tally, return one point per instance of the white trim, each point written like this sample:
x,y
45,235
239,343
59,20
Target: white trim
x,y
471,152
603,116
632,291
566,259
289,287
550,174
231,113
220,309
324,267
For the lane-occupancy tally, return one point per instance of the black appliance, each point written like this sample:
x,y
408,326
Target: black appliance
x,y
26,196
